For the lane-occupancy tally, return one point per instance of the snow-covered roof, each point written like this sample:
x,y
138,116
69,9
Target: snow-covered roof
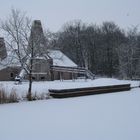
x,y
60,59
44,56
10,61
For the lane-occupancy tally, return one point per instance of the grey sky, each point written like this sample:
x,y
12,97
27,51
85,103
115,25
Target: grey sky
x,y
54,13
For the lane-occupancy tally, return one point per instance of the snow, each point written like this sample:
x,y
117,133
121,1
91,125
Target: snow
x,y
22,73
59,59
41,88
11,60
113,116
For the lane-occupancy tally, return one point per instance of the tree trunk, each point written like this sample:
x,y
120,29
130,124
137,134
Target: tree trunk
x,y
29,96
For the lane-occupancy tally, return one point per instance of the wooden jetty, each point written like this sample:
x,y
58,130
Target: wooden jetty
x,y
66,93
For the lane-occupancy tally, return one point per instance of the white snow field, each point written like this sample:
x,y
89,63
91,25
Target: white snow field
x,y
42,87
114,116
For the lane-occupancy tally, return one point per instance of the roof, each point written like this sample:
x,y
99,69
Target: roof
x,y
60,59
10,61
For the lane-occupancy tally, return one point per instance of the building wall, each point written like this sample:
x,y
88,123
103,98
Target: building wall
x,y
41,70
40,66
9,73
58,75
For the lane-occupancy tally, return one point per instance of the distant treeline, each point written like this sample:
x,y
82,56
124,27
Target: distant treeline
x,y
106,50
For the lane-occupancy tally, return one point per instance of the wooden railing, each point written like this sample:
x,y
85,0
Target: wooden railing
x,y
78,70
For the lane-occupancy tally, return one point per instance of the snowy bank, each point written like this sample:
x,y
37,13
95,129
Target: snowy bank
x,y
41,88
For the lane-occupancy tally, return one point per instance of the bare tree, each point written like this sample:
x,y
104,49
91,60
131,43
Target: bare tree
x,y
16,29
129,57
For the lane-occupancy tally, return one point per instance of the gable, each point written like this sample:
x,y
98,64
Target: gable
x,y
60,59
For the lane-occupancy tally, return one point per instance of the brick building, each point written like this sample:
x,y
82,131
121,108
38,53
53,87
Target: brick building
x,y
47,64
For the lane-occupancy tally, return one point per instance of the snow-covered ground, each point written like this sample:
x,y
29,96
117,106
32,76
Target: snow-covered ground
x,y
42,87
113,116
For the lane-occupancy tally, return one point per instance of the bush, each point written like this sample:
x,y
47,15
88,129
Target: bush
x,y
29,97
3,96
35,96
8,98
13,96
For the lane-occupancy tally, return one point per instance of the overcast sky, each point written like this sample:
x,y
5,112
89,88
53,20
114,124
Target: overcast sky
x,y
54,13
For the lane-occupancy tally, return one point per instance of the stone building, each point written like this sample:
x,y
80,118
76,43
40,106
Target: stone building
x,y
9,67
47,64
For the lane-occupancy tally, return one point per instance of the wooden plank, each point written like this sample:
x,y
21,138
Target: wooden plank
x,y
87,88
89,91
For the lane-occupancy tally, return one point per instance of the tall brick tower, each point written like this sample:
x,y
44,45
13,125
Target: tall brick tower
x,y
3,52
37,40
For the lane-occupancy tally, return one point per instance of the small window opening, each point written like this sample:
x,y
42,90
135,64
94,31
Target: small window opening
x,y
12,75
42,78
33,78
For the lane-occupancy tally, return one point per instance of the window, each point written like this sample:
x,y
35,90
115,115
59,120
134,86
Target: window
x,y
42,78
12,75
33,78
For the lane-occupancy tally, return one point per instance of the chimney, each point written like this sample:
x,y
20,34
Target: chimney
x,y
3,52
37,38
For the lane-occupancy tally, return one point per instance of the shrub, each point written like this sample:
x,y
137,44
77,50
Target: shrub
x,y
35,96
29,96
8,98
3,96
13,96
